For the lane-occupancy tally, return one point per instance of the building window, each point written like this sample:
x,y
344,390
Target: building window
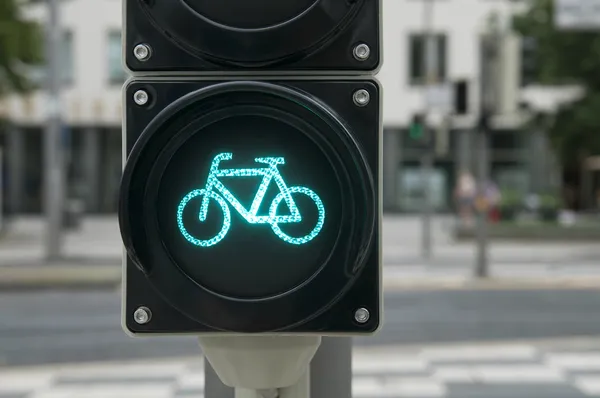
x,y
67,60
416,57
116,73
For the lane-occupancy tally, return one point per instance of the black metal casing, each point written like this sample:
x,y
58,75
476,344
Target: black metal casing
x,y
326,303
203,37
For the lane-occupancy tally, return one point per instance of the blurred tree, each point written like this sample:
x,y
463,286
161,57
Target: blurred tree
x,y
20,45
566,57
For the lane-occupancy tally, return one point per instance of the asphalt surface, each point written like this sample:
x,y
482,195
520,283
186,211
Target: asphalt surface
x,y
48,327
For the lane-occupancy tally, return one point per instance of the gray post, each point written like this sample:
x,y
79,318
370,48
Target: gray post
x,y
430,64
213,387
482,267
16,168
331,369
489,63
91,160
391,149
464,152
53,149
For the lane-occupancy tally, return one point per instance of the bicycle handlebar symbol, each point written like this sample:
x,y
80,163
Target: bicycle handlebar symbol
x,y
214,189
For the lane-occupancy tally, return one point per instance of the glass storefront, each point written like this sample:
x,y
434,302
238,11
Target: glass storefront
x,y
412,183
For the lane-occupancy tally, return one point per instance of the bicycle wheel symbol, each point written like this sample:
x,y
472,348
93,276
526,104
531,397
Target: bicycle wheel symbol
x,y
321,217
226,218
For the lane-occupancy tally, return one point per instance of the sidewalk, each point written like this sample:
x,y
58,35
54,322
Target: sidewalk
x,y
93,257
98,241
402,246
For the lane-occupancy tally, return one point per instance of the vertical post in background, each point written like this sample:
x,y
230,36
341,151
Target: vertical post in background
x,y
482,264
489,62
54,179
391,159
331,369
91,168
15,156
430,63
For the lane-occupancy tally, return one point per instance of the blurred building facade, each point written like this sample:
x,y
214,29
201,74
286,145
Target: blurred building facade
x,y
93,77
91,107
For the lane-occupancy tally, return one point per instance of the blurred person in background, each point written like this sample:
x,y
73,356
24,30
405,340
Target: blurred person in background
x,y
464,194
493,196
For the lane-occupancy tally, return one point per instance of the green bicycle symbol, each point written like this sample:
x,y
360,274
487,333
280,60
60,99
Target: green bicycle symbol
x,y
214,189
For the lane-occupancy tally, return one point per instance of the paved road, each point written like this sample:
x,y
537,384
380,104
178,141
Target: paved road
x,y
49,327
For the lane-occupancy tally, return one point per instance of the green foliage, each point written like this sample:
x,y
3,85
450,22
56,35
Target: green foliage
x,y
549,201
20,43
511,198
565,57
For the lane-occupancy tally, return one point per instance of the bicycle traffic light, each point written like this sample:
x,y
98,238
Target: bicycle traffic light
x,y
250,197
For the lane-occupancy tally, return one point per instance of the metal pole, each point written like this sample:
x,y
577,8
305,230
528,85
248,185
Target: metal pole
x,y
489,62
482,265
53,149
430,74
213,387
299,390
331,369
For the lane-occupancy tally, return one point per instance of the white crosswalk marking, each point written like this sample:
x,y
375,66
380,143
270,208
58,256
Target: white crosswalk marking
x,y
193,381
455,374
518,374
139,369
589,385
574,361
396,387
16,382
522,374
380,364
479,353
112,391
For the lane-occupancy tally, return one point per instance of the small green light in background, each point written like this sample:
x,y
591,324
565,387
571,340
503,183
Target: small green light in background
x,y
416,130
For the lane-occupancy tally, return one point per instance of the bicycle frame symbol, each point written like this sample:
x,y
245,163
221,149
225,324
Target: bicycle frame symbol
x,y
214,189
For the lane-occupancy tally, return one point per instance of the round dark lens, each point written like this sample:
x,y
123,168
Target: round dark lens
x,y
249,206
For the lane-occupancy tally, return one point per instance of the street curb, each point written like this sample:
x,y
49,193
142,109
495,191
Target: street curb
x,y
493,283
60,277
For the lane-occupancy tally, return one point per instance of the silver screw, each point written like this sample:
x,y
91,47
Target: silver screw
x,y
361,97
142,315
142,52
362,52
141,97
362,315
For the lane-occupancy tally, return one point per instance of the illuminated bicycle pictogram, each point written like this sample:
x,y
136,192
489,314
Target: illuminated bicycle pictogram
x,y
216,190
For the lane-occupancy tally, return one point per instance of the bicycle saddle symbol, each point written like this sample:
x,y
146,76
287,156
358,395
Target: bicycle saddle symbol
x,y
215,190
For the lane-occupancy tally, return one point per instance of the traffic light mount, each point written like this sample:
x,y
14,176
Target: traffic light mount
x,y
262,362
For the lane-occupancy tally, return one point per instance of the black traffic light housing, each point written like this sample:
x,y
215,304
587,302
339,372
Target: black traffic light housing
x,y
162,273
292,36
